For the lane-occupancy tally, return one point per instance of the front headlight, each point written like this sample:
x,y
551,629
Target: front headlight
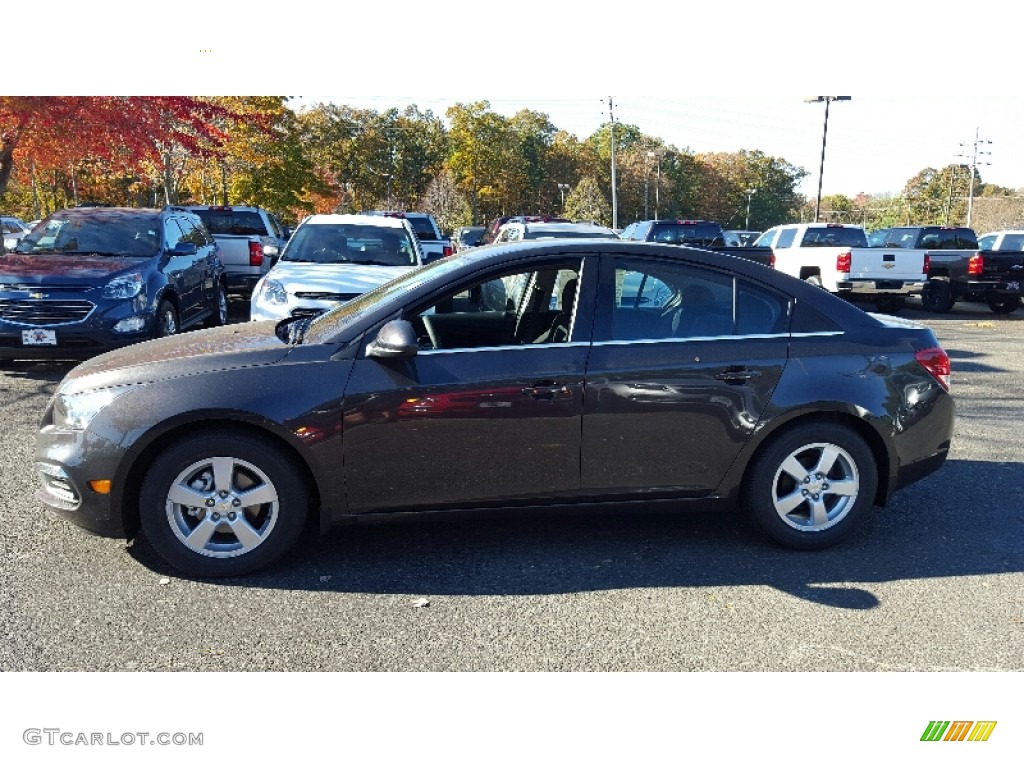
x,y
124,287
76,411
273,292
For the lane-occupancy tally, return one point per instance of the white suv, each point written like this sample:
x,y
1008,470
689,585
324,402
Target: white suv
x,y
331,259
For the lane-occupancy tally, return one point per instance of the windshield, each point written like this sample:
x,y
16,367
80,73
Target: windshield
x,y
828,236
422,227
333,243
331,324
696,233
226,221
125,234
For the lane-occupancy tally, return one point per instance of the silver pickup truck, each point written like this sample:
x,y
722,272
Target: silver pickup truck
x,y
434,245
250,240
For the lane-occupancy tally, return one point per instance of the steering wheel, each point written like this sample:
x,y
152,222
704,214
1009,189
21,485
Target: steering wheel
x,y
431,331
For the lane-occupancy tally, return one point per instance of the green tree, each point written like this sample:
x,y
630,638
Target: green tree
x,y
265,154
448,205
587,203
479,157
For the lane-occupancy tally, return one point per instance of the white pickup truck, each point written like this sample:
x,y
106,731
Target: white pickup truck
x,y
250,240
837,258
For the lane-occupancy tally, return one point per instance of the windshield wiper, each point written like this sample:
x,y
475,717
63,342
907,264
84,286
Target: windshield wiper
x,y
118,254
376,263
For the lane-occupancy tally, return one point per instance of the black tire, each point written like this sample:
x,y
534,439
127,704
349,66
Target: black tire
x,y
889,305
166,319
1003,306
814,280
220,309
220,535
937,296
840,494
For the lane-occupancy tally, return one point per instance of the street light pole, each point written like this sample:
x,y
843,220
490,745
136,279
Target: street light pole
x,y
657,183
561,188
824,133
750,194
647,187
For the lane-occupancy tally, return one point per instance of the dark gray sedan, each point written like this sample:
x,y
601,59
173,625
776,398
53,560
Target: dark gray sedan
x,y
550,372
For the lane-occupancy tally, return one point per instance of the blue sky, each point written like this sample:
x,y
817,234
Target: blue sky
x,y
925,78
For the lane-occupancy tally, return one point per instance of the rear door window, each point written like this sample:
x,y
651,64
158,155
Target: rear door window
x,y
786,238
233,222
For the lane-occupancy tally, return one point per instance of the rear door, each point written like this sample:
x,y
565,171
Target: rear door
x,y
184,272
684,362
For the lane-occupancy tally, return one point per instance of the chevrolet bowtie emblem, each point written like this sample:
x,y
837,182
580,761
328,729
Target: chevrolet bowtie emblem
x,y
37,295
889,266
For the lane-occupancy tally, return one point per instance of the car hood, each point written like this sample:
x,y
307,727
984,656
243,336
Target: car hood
x,y
63,269
333,278
244,345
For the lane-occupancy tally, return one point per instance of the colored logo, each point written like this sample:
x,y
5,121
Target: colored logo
x,y
958,730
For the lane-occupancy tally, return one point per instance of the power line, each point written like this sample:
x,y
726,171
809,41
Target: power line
x,y
974,165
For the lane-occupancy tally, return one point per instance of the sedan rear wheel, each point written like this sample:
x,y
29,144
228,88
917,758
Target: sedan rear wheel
x,y
222,505
812,486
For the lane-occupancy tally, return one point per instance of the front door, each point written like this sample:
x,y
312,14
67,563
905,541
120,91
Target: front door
x,y
488,412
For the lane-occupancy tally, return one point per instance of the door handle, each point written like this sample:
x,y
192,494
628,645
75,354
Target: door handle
x,y
737,375
546,392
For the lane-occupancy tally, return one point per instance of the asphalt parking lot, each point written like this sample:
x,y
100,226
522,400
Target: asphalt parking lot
x,y
934,582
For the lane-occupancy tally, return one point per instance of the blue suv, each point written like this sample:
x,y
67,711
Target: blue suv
x,y
91,279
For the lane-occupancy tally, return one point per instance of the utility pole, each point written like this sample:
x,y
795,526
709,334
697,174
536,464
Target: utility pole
x,y
974,166
615,194
824,133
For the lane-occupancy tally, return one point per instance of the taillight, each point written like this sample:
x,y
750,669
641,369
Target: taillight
x,y
975,264
447,251
843,261
255,254
936,362
927,263
771,261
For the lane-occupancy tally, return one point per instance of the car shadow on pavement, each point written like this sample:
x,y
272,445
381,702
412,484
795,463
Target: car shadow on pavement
x,y
940,527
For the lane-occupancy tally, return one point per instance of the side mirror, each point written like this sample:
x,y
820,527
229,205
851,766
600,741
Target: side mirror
x,y
395,339
271,251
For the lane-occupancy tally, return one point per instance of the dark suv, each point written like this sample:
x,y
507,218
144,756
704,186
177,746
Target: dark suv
x,y
87,280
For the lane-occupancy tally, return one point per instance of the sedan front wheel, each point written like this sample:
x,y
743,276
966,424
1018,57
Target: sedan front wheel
x,y
222,505
810,487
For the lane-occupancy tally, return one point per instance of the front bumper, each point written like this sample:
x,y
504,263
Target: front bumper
x,y
74,339
64,480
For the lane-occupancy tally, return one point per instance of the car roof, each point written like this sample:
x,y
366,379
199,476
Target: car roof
x,y
354,218
556,228
109,211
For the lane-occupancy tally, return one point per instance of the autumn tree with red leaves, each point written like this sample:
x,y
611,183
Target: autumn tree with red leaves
x,y
125,131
